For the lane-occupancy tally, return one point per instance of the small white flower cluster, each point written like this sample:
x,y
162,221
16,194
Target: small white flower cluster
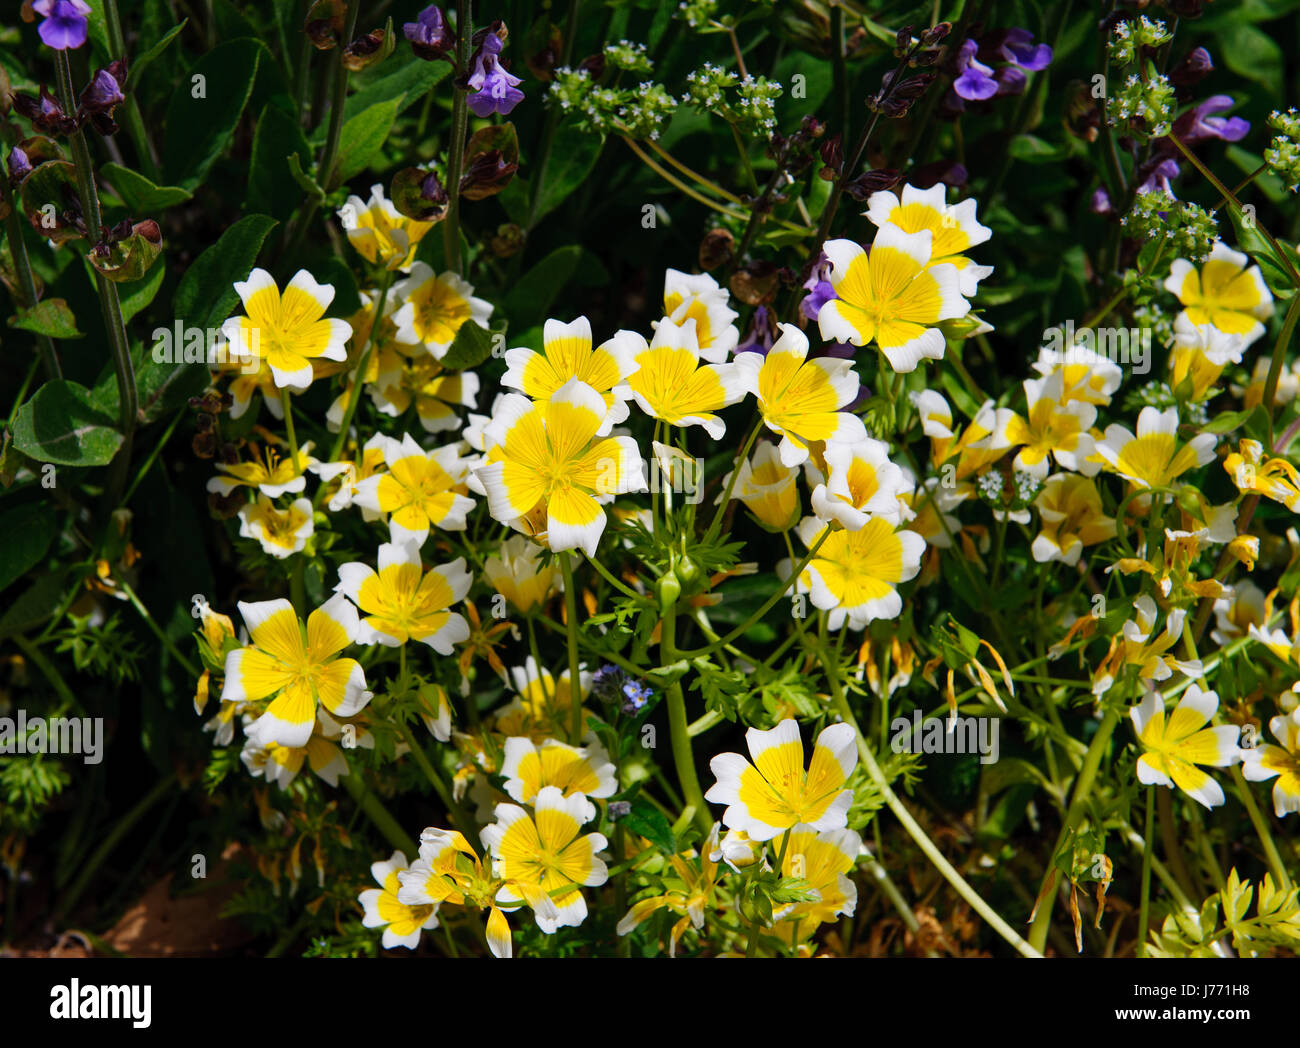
x,y
1129,37
705,87
1151,101
646,110
630,56
1283,153
696,13
757,104
1187,228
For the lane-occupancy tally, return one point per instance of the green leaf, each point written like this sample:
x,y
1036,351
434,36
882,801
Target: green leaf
x,y
206,294
141,197
471,346
573,156
64,425
34,605
532,296
649,822
305,181
199,129
1033,150
1251,53
28,532
407,84
1226,422
272,184
362,137
136,295
51,317
142,61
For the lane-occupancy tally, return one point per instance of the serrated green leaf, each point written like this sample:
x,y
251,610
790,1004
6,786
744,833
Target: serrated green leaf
x,y
51,317
63,424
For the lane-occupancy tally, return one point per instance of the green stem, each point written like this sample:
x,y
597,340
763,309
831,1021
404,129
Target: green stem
x,y
49,672
767,605
571,631
119,831
288,424
683,758
463,822
1257,820
153,625
110,305
456,153
132,120
1144,911
358,383
26,281
329,153
382,818
913,828
1078,805
1275,365
716,522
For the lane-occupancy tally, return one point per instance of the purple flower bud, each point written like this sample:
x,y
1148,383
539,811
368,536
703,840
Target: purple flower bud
x,y
1101,202
430,37
1011,81
65,22
19,166
618,810
1195,67
495,89
1156,176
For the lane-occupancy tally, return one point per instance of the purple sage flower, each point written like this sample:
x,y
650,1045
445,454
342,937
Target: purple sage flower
x,y
495,89
1157,176
761,335
1201,124
65,22
20,166
976,82
1019,49
819,288
1101,202
429,35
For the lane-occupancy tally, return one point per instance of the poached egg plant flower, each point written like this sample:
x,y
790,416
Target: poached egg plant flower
x,y
403,602
775,793
669,382
549,471
1175,745
893,297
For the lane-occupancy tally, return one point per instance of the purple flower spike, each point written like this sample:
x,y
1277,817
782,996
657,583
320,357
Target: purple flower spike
x,y
1201,124
1019,48
819,288
65,23
976,82
495,89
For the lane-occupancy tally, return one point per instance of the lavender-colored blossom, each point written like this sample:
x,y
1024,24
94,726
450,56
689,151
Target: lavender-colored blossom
x,y
495,89
819,288
1101,202
102,93
976,83
636,695
761,335
1011,81
1201,124
1157,176
20,165
1018,48
65,25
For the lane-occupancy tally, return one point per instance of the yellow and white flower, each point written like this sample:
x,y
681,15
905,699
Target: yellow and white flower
x,y
549,471
282,532
402,924
862,483
1087,375
297,667
1274,478
420,490
545,859
775,793
543,704
1071,510
289,330
822,859
567,354
854,574
801,399
515,571
1260,763
281,764
273,474
1051,428
449,871
669,382
953,228
700,298
529,767
379,232
768,488
893,297
1243,606
403,602
434,307
1153,459
401,382
1227,293
1173,747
